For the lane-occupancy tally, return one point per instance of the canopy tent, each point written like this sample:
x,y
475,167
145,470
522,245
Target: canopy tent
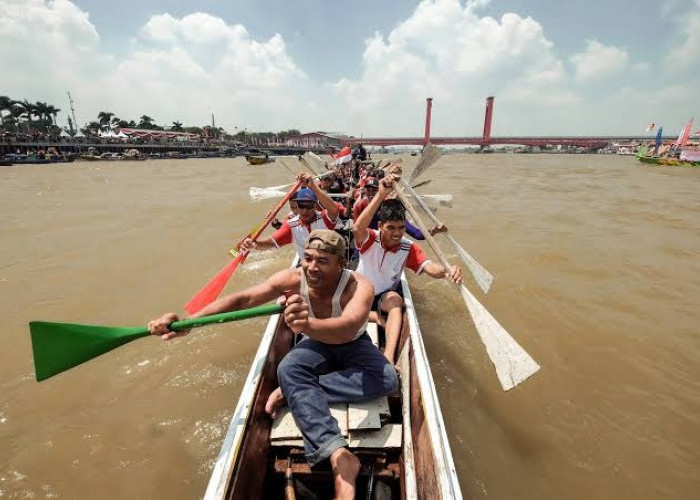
x,y
157,134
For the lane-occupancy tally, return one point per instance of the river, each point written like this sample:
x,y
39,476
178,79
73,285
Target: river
x,y
597,274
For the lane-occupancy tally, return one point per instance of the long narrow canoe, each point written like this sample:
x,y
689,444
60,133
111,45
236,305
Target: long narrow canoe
x,y
401,439
670,162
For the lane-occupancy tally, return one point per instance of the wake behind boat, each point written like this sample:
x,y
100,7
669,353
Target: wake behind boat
x,y
400,439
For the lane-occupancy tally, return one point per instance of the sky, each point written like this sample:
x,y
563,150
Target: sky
x,y
361,67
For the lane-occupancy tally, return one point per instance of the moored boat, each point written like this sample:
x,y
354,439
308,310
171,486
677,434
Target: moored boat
x,y
670,162
256,159
400,440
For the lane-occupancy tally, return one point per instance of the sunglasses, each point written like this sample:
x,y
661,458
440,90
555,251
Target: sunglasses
x,y
306,206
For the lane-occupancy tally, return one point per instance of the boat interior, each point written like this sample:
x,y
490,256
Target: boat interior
x,y
271,462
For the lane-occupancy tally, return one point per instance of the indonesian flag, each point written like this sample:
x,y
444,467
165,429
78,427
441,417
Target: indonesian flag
x,y
650,127
343,157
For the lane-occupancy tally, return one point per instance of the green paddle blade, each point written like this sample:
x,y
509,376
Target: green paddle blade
x,y
60,346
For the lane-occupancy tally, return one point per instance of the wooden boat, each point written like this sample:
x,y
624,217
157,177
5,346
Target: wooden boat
x,y
257,159
670,162
401,441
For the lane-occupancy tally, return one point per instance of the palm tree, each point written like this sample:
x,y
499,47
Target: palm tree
x,y
177,127
104,117
5,105
52,111
146,122
91,128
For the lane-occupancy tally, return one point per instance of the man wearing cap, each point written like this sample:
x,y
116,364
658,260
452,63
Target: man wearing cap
x,y
385,253
297,229
335,362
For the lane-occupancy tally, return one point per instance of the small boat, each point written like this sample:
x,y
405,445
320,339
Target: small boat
x,y
400,439
668,162
258,159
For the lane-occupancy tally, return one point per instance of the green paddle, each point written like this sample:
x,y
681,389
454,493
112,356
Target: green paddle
x,y
60,346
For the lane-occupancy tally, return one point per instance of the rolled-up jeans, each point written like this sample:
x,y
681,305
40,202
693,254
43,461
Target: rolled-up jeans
x,y
314,375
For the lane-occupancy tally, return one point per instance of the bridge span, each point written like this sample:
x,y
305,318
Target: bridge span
x,y
584,142
593,142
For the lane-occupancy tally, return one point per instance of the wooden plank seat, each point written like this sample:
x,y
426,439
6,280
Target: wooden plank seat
x,y
362,424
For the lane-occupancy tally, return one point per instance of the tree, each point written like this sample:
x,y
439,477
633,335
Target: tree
x,y
70,129
177,127
92,128
104,118
5,105
53,111
146,122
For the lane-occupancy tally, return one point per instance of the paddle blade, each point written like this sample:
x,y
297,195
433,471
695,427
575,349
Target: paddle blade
x,y
513,364
482,277
430,155
210,292
60,346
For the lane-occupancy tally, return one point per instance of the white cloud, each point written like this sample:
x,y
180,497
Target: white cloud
x,y
599,61
447,51
177,69
188,67
687,54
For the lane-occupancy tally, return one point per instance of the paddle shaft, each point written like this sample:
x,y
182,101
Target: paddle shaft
x,y
226,317
421,225
481,275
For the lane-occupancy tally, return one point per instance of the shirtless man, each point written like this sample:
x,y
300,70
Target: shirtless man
x,y
335,363
384,254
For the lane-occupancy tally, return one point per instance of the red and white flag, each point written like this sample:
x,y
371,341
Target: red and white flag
x,y
344,156
650,127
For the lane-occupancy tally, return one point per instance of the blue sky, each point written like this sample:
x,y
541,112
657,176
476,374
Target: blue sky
x,y
361,67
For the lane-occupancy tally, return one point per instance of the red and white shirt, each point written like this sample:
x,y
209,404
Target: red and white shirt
x,y
383,266
294,230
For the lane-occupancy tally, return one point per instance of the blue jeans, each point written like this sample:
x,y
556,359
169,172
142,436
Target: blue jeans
x,y
313,375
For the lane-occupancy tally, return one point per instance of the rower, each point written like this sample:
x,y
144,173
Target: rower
x,y
336,362
384,254
371,188
297,229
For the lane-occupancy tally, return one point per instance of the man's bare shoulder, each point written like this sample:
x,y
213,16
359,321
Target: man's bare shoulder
x,y
287,279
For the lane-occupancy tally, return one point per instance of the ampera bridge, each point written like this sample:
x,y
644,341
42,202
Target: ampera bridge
x,y
593,142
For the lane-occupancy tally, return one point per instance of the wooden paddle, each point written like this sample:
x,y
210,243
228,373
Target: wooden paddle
x,y
60,346
213,288
429,156
422,183
481,275
256,193
513,364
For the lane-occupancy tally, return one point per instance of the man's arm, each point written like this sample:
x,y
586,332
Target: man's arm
x,y
333,330
323,198
435,270
256,295
363,222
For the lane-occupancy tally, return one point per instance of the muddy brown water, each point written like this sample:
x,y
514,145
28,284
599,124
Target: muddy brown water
x,y
597,273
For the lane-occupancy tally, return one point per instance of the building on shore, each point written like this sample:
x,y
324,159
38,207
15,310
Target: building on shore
x,y
315,140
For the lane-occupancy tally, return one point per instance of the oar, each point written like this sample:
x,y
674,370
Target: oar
x,y
513,364
318,159
60,346
422,183
256,193
211,290
481,275
429,156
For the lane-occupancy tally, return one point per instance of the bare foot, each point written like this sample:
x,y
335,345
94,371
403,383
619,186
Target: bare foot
x,y
274,402
346,467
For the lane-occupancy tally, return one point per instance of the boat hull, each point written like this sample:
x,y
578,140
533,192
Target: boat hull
x,y
258,160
